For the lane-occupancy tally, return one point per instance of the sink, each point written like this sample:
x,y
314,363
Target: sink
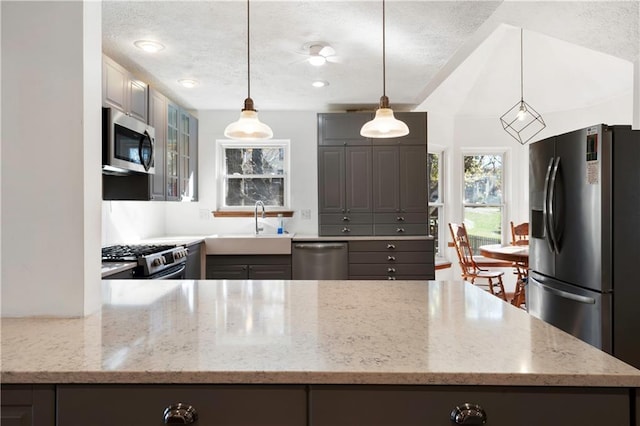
x,y
249,244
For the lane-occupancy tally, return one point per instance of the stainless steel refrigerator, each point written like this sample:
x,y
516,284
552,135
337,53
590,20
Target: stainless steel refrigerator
x,y
584,252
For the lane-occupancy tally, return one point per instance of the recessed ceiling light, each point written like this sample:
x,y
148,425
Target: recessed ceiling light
x,y
320,83
188,82
149,45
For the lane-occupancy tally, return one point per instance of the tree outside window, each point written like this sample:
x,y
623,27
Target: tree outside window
x,y
483,203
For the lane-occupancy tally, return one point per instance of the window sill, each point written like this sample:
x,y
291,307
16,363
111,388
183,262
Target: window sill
x,y
250,213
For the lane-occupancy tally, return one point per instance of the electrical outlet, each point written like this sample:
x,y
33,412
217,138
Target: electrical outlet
x,y
205,214
306,214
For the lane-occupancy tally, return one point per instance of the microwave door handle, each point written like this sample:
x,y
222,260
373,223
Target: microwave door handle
x,y
145,164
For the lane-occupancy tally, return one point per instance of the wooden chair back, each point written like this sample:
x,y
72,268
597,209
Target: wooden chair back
x,y
520,234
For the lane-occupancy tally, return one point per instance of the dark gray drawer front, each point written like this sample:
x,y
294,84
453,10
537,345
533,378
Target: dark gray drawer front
x,y
391,258
346,219
432,405
141,405
343,230
401,229
400,218
356,269
392,277
391,245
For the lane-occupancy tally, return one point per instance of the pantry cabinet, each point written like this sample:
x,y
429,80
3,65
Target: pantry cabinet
x,y
371,186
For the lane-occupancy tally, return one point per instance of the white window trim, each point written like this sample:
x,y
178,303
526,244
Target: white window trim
x,y
442,235
506,183
222,144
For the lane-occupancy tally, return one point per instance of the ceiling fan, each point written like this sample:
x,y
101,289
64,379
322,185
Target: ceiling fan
x,y
319,53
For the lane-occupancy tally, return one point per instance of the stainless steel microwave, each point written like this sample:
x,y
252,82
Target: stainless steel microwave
x,y
127,144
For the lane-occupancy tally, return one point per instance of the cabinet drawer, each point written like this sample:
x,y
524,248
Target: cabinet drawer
x,y
419,269
346,219
390,258
400,218
270,272
504,406
361,230
400,229
142,405
391,245
392,277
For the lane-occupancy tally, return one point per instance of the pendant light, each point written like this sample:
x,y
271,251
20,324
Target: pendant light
x,y
522,122
384,125
248,127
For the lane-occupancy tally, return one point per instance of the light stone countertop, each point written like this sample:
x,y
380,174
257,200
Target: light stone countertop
x,y
303,332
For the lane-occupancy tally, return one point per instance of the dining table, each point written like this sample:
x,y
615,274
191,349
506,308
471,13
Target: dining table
x,y
519,255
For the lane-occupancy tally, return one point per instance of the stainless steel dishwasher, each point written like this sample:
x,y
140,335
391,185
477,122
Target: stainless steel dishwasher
x,y
320,261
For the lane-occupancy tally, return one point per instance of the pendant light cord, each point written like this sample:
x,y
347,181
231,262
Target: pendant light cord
x,y
521,70
248,56
384,60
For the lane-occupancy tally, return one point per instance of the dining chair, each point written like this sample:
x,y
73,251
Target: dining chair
x,y
520,237
520,234
470,271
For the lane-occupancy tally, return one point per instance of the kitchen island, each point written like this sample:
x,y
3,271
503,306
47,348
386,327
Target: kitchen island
x,y
323,349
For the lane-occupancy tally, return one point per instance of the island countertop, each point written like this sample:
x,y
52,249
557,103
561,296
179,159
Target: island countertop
x,y
303,332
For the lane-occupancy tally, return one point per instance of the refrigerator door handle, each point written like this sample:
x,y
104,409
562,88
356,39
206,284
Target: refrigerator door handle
x,y
567,295
552,196
545,206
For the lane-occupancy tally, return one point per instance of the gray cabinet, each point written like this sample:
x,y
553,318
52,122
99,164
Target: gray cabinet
x,y
252,267
181,154
391,260
121,90
158,119
433,405
345,190
27,405
142,405
371,186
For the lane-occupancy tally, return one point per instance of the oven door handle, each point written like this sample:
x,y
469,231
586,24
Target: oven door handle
x,y
170,275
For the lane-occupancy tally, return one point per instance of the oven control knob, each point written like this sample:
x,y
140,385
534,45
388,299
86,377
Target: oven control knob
x,y
157,261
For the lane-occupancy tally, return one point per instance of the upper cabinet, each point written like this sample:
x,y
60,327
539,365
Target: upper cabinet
x,y
121,90
181,170
158,119
371,186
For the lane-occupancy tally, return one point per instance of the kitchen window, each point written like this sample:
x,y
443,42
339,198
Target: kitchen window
x,y
483,197
435,187
253,171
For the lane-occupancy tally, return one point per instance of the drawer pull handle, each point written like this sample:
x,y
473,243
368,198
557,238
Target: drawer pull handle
x,y
391,278
345,230
400,230
468,414
345,219
391,246
400,219
180,413
391,258
391,270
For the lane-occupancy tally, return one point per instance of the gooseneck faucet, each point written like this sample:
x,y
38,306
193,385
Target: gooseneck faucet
x,y
255,215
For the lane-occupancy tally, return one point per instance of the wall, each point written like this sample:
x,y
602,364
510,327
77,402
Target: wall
x,y
51,158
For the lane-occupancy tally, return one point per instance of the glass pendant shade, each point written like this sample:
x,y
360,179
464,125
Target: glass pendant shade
x,y
248,126
384,124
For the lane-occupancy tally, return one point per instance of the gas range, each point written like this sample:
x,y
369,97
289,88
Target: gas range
x,y
153,260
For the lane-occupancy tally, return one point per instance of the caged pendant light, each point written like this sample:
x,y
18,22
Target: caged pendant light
x,y
384,124
248,127
522,122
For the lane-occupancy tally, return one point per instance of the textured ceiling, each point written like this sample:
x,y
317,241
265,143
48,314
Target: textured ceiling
x,y
427,42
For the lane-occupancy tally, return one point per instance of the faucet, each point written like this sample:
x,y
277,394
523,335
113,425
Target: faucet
x,y
255,215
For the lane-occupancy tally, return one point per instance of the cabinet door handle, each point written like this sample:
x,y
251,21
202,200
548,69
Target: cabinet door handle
x,y
391,278
346,219
391,270
400,230
468,414
391,246
179,413
400,218
345,230
391,258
